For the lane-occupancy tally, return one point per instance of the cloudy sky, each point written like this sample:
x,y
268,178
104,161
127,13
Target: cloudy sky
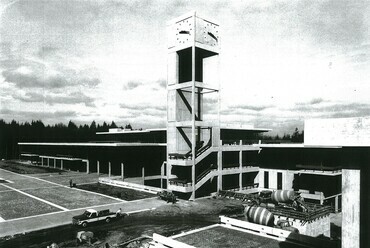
x,y
281,61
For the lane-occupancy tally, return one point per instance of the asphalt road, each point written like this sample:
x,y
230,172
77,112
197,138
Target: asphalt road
x,y
115,232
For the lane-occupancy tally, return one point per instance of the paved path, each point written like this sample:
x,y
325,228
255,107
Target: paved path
x,y
34,223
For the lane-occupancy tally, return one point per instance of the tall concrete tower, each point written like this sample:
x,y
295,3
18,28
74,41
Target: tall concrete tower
x,y
193,49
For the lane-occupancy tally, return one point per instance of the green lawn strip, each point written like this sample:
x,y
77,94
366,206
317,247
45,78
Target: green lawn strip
x,y
70,198
118,192
224,237
2,188
15,205
25,169
26,183
64,179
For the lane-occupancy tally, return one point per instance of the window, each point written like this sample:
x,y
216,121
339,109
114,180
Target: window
x,y
279,180
266,179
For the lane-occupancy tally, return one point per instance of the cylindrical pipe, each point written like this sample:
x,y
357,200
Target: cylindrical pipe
x,y
282,195
259,215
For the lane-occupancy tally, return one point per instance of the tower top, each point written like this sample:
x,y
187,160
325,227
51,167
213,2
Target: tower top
x,y
191,14
191,29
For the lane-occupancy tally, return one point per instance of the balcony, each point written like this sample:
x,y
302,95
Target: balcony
x,y
180,185
237,145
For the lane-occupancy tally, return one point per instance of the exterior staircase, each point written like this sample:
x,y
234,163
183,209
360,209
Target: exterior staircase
x,y
204,177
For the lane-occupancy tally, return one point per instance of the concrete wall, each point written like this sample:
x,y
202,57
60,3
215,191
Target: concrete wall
x,y
350,208
337,132
287,178
320,226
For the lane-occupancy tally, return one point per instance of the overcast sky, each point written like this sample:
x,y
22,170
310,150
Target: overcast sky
x,y
281,61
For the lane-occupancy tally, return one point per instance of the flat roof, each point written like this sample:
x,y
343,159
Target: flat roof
x,y
301,145
242,127
115,144
237,127
123,131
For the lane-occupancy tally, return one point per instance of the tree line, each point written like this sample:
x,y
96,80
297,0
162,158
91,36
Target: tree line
x,y
13,132
295,137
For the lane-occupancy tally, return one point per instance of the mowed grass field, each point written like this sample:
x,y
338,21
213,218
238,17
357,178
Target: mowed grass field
x,y
118,192
26,168
48,186
70,198
76,177
228,238
16,205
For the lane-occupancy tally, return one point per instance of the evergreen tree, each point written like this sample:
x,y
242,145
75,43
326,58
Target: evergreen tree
x,y
113,125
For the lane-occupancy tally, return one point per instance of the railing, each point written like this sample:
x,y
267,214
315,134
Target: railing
x,y
200,149
180,182
238,142
204,174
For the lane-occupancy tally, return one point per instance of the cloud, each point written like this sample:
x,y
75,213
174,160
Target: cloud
x,y
251,107
29,76
245,109
324,108
346,110
314,101
51,99
162,83
336,22
46,51
27,115
143,107
22,80
132,85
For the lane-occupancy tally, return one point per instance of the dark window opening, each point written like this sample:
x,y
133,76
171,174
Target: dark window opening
x,y
266,179
185,64
279,180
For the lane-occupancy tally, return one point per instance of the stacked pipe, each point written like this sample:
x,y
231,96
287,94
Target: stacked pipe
x,y
259,215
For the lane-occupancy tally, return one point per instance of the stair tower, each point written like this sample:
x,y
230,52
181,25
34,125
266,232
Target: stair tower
x,y
192,89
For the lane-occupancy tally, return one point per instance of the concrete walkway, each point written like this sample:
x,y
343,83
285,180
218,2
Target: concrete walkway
x,y
44,221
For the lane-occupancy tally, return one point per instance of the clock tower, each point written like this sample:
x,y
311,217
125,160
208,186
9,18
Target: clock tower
x,y
192,68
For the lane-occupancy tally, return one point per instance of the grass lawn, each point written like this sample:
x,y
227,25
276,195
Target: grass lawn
x,y
118,192
25,169
26,183
65,177
224,237
70,198
2,188
15,205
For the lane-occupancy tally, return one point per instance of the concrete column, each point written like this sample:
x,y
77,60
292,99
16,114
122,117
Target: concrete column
x,y
48,162
42,161
122,171
162,174
336,204
97,167
193,179
193,130
350,208
219,170
87,167
109,169
61,164
55,162
168,172
143,174
240,166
